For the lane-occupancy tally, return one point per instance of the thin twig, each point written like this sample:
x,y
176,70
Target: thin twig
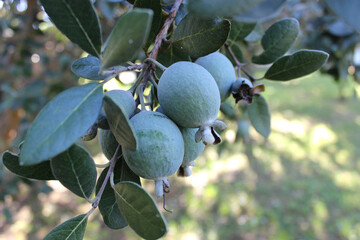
x,y
238,63
116,71
108,174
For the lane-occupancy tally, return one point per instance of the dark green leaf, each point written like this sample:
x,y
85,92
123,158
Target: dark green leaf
x,y
108,206
348,10
89,68
221,8
127,37
260,116
264,11
198,37
156,25
256,34
76,170
72,229
119,123
140,210
61,122
299,64
240,30
78,20
41,171
169,56
277,40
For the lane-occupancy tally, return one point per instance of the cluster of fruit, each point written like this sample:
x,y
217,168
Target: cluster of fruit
x,y
173,136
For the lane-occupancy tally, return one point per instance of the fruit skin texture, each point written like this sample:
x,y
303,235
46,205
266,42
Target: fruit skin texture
x,y
221,68
160,146
108,143
192,150
189,95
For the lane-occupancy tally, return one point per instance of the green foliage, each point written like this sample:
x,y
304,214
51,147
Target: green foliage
x,y
118,119
71,229
76,170
78,20
221,8
296,65
174,35
40,171
140,211
61,122
127,37
347,10
277,40
259,115
198,37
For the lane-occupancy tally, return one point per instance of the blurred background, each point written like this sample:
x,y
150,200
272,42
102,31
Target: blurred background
x,y
301,183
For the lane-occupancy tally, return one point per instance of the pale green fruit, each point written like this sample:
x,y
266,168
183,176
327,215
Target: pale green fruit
x,y
160,148
108,143
192,149
188,94
221,68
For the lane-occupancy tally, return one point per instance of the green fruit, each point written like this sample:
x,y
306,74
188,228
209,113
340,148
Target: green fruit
x,y
160,148
108,143
188,94
192,150
220,67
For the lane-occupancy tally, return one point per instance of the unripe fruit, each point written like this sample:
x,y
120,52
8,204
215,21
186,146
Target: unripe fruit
x,y
188,94
243,89
192,150
221,68
108,143
160,148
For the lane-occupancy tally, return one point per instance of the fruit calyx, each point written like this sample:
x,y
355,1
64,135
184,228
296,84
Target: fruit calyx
x,y
207,133
243,89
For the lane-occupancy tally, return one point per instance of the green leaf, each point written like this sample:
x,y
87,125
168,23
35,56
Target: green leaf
x,y
61,122
140,210
76,170
277,40
78,20
127,37
41,171
220,8
198,37
256,34
259,115
119,123
108,206
72,229
157,20
239,30
262,12
348,10
88,67
299,64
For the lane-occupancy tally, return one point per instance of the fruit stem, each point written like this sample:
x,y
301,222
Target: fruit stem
x,y
136,84
153,81
238,63
159,65
139,91
108,174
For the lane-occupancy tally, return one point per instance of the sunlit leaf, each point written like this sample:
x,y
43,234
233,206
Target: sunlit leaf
x,y
140,210
299,64
61,122
127,37
76,170
77,19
